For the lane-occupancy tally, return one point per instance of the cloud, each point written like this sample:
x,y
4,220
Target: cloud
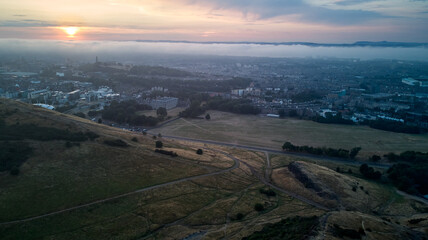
x,y
298,9
26,23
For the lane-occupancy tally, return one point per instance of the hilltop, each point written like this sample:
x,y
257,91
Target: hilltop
x,y
65,177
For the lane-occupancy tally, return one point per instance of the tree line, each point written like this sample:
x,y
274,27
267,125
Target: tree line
x,y
331,152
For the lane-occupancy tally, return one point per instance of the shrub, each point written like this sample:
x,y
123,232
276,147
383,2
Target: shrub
x,y
239,216
170,153
14,171
134,139
269,192
12,155
199,151
159,144
259,207
116,143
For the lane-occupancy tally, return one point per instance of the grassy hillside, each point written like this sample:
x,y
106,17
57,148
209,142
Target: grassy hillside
x,y
83,180
58,175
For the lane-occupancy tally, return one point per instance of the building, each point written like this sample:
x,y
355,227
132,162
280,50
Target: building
x,y
74,95
165,102
415,82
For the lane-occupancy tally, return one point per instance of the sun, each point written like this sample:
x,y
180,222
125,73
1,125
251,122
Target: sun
x,y
71,31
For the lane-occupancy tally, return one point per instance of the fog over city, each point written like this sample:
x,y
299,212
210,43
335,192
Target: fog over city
x,y
132,50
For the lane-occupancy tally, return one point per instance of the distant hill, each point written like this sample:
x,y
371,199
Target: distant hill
x,y
309,44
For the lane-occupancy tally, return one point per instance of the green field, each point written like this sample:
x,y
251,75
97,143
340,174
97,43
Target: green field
x,y
272,133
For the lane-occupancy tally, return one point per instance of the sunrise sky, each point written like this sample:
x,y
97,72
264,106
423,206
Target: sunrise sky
x,y
334,21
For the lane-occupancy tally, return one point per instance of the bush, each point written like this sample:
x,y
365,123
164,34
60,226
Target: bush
x,y
14,171
134,139
170,153
159,144
375,158
239,216
80,114
269,192
259,207
369,172
290,228
199,151
13,155
116,143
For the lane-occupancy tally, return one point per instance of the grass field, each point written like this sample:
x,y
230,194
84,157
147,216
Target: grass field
x,y
269,132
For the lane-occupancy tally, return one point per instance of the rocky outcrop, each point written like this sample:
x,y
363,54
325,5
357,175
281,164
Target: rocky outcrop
x,y
309,180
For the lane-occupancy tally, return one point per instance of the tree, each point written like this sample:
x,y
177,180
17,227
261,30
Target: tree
x,y
161,112
259,207
14,171
159,144
207,117
100,120
354,152
375,158
159,135
199,151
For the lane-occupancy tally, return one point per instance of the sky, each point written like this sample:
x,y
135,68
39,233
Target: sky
x,y
322,21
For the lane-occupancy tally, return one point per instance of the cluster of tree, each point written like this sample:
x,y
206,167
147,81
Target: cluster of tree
x,y
193,111
240,106
341,153
269,192
333,119
126,112
306,96
34,132
80,114
116,143
393,126
158,71
290,228
170,153
369,172
183,88
65,108
12,155
412,179
408,156
93,113
375,158
343,233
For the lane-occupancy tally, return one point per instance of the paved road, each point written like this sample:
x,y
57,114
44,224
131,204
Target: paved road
x,y
236,165
275,151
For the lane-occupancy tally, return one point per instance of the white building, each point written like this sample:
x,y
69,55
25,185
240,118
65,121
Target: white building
x,y
165,102
415,82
